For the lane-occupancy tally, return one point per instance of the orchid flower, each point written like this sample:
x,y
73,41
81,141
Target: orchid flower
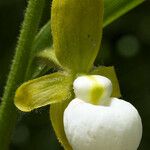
x,y
88,118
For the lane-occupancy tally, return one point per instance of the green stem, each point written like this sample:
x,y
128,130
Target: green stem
x,y
8,112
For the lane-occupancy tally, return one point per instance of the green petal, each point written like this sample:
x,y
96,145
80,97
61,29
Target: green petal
x,y
109,72
56,116
43,91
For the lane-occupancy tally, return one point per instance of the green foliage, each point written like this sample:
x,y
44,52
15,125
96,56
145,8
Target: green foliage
x,y
41,41
116,8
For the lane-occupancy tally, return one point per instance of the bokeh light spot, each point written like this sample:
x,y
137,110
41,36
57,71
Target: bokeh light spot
x,y
128,46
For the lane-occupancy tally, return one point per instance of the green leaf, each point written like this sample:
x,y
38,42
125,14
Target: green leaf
x,y
113,9
42,91
109,72
56,116
77,29
48,57
42,41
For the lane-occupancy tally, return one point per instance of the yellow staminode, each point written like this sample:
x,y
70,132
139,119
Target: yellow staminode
x,y
96,92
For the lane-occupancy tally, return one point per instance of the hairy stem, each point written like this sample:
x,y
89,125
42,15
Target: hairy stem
x,y
8,112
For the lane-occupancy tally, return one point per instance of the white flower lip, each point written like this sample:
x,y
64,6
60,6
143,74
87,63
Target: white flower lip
x,y
111,124
91,127
84,85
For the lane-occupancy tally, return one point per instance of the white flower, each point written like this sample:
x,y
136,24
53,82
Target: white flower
x,y
116,126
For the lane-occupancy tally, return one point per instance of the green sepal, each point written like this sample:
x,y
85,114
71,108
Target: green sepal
x,y
56,116
110,73
42,91
77,29
48,57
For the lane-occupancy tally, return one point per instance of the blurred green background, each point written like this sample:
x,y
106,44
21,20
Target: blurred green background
x,y
125,44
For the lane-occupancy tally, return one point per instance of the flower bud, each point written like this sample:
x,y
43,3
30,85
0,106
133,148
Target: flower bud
x,y
95,89
114,127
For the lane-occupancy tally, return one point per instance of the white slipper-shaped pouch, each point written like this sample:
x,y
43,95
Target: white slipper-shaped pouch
x,y
113,124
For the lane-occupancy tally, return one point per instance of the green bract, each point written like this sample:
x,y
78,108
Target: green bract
x,y
77,30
